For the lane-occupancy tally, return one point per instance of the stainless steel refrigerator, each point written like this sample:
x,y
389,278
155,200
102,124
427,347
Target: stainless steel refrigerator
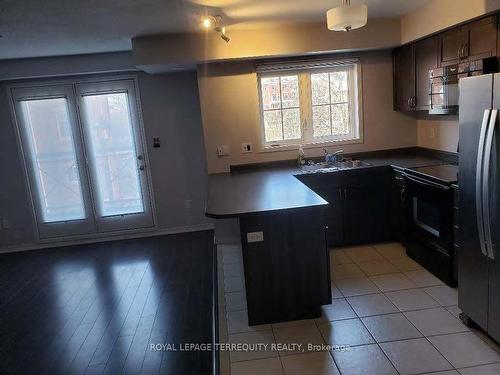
x,y
479,208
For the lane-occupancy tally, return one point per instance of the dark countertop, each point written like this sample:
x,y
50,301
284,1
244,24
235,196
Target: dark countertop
x,y
447,173
276,188
232,195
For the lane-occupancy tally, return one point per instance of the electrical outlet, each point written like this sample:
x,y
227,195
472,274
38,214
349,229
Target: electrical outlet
x,y
223,150
255,237
246,148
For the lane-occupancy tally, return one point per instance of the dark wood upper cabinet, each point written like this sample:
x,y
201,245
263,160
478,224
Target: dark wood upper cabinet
x,y
473,41
404,78
426,58
482,38
411,63
452,46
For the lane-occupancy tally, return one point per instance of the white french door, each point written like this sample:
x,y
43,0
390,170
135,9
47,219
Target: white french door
x,y
115,154
83,149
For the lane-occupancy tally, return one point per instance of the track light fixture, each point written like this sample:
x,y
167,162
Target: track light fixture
x,y
214,23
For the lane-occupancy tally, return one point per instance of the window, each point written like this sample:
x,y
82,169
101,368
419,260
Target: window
x,y
310,103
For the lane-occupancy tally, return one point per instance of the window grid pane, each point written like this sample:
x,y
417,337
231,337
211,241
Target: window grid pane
x,y
335,120
339,90
281,108
340,119
322,126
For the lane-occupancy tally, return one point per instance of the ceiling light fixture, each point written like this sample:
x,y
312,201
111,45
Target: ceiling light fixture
x,y
347,17
213,22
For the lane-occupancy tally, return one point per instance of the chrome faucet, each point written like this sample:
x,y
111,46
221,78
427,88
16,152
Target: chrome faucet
x,y
338,155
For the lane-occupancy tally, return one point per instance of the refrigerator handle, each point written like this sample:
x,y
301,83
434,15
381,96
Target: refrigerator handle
x,y
486,182
479,180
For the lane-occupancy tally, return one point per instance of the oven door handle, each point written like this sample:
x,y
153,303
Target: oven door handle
x,y
479,181
430,184
486,183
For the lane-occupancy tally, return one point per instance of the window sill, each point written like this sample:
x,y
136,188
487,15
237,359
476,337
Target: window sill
x,y
307,146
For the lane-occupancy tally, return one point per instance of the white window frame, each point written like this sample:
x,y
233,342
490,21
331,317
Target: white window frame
x,y
303,70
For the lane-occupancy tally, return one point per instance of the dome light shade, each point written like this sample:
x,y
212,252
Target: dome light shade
x,y
347,17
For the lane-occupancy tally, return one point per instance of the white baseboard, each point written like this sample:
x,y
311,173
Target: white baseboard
x,y
110,237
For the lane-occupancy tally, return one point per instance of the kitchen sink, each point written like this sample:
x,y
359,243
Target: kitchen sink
x,y
347,164
339,165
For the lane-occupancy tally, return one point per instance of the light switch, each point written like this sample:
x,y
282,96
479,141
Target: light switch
x,y
255,237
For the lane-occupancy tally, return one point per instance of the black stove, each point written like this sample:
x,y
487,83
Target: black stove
x,y
429,207
446,173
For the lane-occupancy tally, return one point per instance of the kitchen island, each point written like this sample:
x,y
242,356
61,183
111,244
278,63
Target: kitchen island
x,y
283,232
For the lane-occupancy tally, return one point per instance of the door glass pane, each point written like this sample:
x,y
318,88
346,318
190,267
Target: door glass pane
x,y
52,155
113,153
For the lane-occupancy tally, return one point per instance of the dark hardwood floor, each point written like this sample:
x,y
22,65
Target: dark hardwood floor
x,y
97,308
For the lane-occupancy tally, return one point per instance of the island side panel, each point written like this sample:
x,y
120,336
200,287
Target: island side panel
x,y
287,272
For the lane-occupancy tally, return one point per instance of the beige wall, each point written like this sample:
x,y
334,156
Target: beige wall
x,y
155,53
439,134
230,112
437,15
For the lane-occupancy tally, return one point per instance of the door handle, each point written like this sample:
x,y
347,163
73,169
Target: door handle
x,y
486,182
427,183
479,179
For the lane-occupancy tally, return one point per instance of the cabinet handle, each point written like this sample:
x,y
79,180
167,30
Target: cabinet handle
x,y
459,52
345,194
414,101
466,50
340,193
409,102
402,195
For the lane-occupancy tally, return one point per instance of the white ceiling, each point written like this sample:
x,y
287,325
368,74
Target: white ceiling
x,y
65,27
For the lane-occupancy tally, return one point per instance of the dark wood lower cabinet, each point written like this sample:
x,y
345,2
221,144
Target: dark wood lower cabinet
x,y
360,200
287,274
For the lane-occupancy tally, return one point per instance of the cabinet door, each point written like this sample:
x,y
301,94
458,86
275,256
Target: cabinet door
x,y
426,58
327,186
366,217
334,218
482,38
452,43
404,78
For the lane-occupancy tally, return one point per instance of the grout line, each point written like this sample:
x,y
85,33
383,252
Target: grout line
x,y
376,342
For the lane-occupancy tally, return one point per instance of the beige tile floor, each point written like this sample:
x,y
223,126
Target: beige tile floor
x,y
393,316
